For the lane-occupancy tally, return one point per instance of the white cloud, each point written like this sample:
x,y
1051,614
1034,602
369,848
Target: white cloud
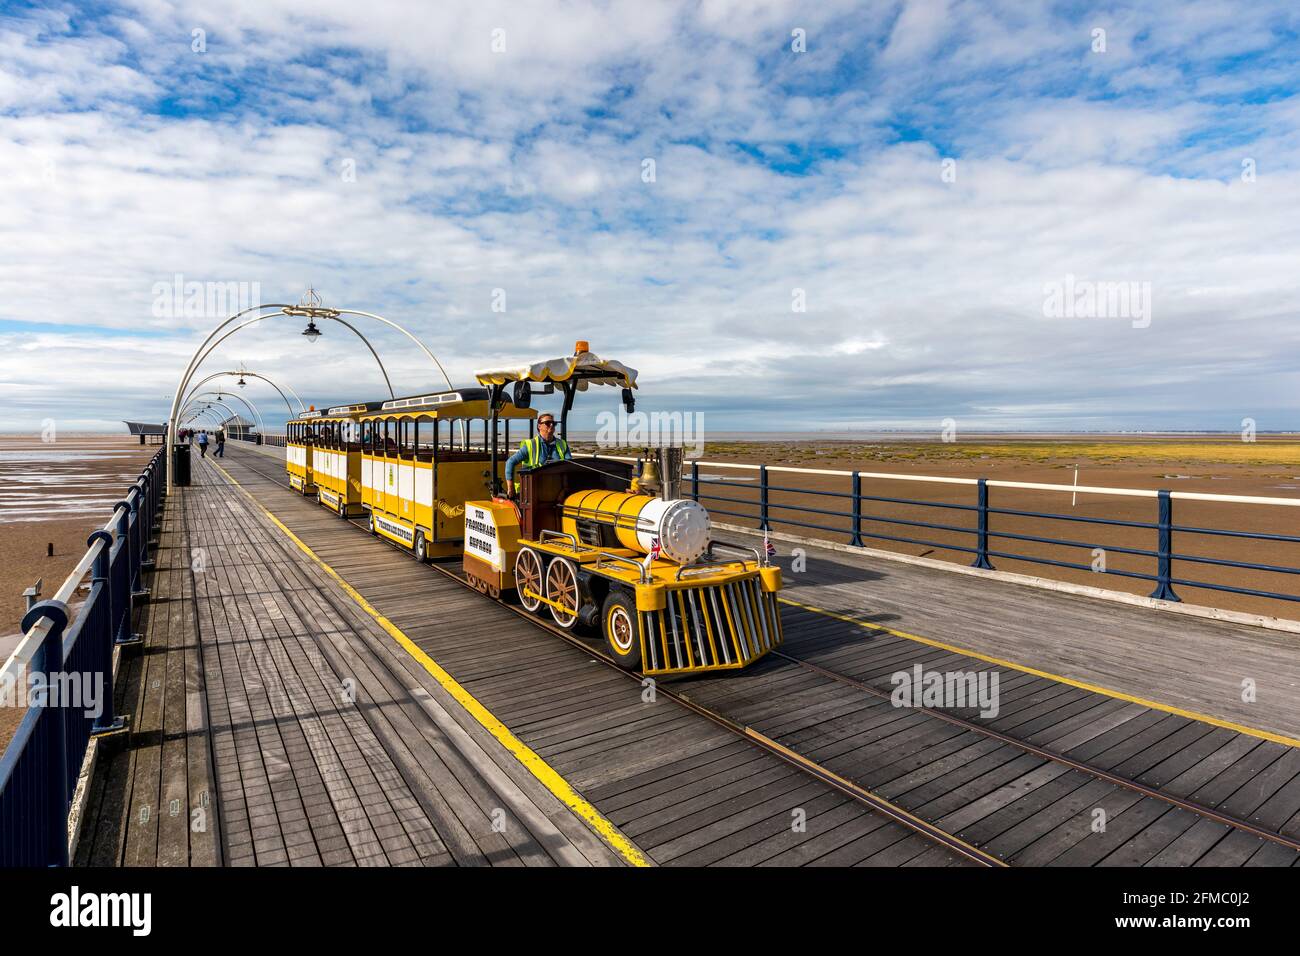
x,y
522,171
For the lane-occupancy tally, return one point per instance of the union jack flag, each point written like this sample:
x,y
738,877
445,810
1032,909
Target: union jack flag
x,y
768,546
655,548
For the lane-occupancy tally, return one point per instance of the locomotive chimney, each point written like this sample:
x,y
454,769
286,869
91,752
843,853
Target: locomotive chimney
x,y
670,460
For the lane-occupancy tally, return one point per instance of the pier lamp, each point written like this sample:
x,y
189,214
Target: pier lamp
x,y
312,307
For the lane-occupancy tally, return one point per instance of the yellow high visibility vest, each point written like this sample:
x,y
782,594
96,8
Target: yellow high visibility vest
x,y
534,448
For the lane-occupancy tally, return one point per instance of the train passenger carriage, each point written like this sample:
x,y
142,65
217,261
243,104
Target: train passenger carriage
x,y
336,458
299,439
424,456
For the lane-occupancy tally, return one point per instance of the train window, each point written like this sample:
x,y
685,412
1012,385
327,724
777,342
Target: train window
x,y
424,437
405,443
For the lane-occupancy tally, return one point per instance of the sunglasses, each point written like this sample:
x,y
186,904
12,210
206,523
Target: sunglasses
x,y
548,422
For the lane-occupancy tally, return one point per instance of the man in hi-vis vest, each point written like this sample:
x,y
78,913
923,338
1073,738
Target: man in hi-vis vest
x,y
537,451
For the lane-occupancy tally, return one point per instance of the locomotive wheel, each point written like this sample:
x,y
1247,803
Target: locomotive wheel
x,y
618,622
421,549
528,574
562,589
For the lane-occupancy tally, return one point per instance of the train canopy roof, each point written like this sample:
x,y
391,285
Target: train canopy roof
x,y
583,367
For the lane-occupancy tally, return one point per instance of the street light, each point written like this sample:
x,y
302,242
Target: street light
x,y
311,308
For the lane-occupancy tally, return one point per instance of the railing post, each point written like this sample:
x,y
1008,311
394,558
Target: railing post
x,y
695,480
1164,588
122,603
52,732
982,529
145,519
138,544
857,511
103,640
762,498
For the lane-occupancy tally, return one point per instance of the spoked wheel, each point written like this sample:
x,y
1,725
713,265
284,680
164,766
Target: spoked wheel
x,y
370,522
618,621
562,591
421,548
528,578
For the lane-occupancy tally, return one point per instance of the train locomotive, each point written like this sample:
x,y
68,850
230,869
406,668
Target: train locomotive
x,y
589,542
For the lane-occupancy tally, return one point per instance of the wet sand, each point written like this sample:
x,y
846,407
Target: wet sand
x,y
54,493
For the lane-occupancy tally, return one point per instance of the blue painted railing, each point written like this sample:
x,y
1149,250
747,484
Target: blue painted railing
x,y
50,669
862,525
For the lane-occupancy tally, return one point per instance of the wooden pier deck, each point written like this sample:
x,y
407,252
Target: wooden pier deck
x,y
322,698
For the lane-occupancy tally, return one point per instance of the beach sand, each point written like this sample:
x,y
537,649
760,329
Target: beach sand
x,y
56,494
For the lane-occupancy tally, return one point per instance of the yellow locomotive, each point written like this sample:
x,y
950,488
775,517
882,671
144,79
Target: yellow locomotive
x,y
590,542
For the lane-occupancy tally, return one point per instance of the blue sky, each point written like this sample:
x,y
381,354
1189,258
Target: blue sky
x,y
918,177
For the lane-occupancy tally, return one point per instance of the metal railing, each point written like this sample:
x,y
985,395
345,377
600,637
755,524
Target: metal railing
x,y
260,438
62,665
981,540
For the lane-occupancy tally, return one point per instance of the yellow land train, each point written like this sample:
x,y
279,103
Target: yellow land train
x,y
299,439
323,456
336,458
590,543
421,458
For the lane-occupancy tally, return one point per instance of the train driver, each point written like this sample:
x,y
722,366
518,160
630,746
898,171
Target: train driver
x,y
537,451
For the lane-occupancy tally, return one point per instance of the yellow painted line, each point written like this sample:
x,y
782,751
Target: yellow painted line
x,y
1082,685
538,767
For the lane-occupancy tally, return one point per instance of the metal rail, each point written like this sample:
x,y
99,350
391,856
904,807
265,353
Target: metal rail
x,y
965,723
978,538
62,673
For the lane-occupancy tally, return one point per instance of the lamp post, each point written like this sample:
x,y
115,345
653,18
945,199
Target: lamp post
x,y
211,402
310,308
244,372
259,421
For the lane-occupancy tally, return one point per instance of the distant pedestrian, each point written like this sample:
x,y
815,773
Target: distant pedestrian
x,y
203,444
220,451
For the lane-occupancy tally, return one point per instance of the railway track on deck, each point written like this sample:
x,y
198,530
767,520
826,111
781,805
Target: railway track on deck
x,y
981,792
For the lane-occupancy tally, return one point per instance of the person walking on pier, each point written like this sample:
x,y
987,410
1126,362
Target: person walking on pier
x,y
203,444
220,450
